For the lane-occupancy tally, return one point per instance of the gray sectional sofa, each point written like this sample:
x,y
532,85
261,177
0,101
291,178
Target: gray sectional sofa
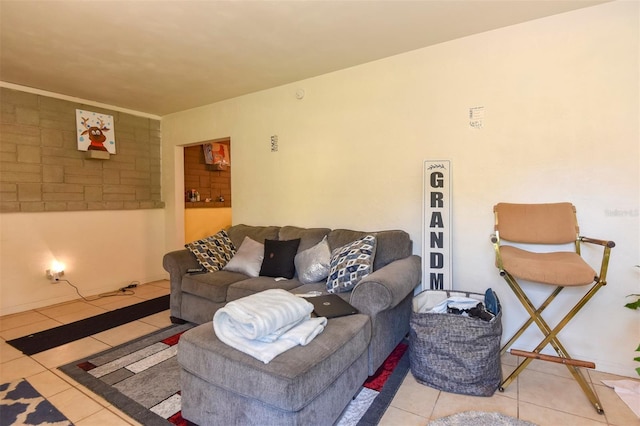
x,y
304,385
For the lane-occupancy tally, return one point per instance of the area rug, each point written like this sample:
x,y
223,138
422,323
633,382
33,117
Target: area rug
x,y
479,418
21,404
142,379
57,336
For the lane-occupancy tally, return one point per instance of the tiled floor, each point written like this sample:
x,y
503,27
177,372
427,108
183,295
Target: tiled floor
x,y
544,393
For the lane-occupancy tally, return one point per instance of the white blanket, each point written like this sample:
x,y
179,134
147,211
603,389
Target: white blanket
x,y
266,324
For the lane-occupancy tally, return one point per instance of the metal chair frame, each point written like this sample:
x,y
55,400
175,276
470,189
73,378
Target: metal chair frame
x,y
536,317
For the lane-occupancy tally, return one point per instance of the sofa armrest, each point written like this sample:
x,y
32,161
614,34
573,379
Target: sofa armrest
x,y
177,262
385,288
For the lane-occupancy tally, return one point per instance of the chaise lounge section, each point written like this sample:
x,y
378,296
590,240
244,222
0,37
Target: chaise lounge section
x,y
306,385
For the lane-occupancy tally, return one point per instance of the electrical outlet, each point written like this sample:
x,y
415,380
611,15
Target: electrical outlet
x,y
274,143
54,276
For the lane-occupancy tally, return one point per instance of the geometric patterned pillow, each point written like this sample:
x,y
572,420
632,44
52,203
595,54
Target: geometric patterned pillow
x,y
350,263
213,252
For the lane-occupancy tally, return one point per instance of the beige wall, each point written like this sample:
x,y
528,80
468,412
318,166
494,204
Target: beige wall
x,y
101,250
200,223
561,123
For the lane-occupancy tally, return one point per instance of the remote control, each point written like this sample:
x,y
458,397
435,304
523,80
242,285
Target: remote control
x,y
196,271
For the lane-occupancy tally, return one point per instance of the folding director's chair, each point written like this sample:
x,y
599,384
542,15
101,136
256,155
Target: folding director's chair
x,y
549,225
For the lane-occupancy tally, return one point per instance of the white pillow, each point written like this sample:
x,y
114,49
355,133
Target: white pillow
x,y
248,258
312,264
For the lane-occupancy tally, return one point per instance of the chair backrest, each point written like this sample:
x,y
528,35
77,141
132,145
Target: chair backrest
x,y
553,223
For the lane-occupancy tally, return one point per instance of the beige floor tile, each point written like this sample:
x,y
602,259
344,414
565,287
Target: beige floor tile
x,y
160,283
415,398
395,416
27,329
616,411
102,418
66,378
20,319
598,376
48,384
63,309
511,391
8,352
449,403
160,320
117,302
74,404
558,393
543,416
70,352
124,333
19,368
148,292
97,398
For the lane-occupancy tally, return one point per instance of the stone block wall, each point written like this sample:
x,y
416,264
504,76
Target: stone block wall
x,y
42,170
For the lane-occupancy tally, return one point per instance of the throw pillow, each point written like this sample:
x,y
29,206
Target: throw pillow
x,y
350,263
213,252
313,263
248,258
278,258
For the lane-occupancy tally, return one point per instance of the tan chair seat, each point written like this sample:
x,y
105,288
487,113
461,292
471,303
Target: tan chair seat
x,y
558,268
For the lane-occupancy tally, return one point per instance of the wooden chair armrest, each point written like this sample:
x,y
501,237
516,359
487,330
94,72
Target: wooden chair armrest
x,y
605,243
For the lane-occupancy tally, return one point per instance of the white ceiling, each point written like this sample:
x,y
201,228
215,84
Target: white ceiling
x,y
160,57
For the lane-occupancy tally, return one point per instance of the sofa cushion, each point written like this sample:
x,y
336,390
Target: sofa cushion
x,y
255,285
237,233
293,378
248,258
278,258
390,245
309,237
213,252
313,264
350,263
212,286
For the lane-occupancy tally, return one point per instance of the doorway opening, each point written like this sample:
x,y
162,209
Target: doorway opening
x,y
207,188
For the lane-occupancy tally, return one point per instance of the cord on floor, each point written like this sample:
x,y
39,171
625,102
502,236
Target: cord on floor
x,y
123,291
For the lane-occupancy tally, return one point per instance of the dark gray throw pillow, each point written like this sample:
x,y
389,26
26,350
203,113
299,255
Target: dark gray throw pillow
x,y
279,258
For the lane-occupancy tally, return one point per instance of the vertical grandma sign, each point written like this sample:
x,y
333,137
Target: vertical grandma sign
x,y
436,227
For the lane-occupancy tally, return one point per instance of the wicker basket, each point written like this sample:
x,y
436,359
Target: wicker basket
x,y
454,353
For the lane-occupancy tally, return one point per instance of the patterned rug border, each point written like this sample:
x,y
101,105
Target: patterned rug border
x,y
112,395
374,413
135,410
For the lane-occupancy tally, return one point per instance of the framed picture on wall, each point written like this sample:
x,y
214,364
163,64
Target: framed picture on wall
x,y
216,154
95,132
